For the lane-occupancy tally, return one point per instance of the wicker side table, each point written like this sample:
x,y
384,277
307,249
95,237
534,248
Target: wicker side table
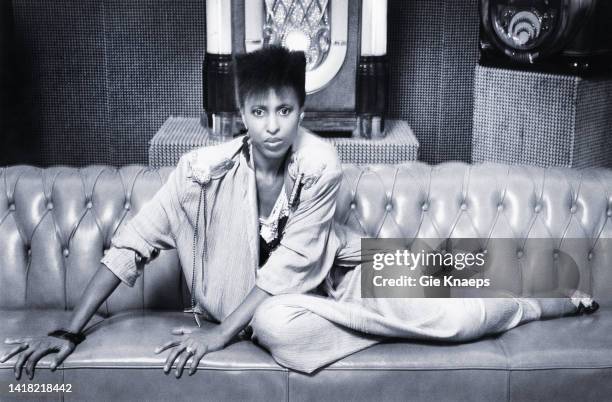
x,y
181,134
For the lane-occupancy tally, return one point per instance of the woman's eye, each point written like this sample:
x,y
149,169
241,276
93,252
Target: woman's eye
x,y
258,112
285,111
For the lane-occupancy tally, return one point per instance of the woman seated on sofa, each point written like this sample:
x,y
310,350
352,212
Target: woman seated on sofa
x,y
225,209
252,218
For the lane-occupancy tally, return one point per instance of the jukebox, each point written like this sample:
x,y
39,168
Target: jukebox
x,y
345,43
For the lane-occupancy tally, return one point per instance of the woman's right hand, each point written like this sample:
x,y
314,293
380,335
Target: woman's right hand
x,y
32,349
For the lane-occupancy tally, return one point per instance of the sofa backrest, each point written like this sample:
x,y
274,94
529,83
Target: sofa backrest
x,y
56,223
539,213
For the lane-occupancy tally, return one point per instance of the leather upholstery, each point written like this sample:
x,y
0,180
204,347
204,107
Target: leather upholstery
x,y
126,342
56,223
573,209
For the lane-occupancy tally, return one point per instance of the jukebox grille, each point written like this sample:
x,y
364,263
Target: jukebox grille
x,y
299,25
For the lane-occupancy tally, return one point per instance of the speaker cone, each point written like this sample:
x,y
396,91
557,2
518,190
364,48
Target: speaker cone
x,y
569,34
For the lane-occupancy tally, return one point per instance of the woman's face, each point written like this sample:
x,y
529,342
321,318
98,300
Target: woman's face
x,y
272,120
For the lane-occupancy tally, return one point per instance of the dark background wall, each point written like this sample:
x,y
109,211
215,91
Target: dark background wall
x,y
15,86
91,81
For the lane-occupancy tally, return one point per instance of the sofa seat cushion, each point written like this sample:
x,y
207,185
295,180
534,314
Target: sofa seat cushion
x,y
117,361
567,342
543,358
129,339
568,358
420,371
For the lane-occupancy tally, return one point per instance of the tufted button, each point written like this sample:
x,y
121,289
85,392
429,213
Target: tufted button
x,y
388,207
353,205
12,207
609,212
29,251
66,252
425,206
388,194
89,205
537,208
519,253
590,256
49,206
500,206
463,206
127,206
573,209
555,255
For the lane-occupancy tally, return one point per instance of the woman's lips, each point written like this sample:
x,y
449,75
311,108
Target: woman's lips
x,y
273,143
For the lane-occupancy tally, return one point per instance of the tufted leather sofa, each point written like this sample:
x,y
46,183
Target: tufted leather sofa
x,y
56,223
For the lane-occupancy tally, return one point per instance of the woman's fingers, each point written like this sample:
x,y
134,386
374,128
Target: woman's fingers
x,y
21,361
13,352
196,361
12,341
33,360
61,356
180,366
172,357
181,331
167,345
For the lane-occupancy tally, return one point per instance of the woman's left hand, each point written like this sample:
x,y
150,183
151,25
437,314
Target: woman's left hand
x,y
195,342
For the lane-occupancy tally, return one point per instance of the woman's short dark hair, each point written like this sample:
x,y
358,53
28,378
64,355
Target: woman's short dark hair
x,y
269,67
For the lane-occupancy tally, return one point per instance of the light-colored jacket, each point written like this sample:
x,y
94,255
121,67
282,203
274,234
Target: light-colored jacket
x,y
213,190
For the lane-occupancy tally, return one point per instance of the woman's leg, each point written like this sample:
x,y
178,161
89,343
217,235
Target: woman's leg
x,y
557,307
502,314
297,334
300,339
305,332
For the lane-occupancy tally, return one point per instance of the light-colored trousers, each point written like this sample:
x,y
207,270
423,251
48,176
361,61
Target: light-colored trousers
x,y
305,332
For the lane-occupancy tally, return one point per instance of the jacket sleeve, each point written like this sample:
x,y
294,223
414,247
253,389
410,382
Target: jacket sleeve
x,y
150,230
304,256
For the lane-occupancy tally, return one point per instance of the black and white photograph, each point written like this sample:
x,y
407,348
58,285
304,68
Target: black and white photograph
x,y
305,200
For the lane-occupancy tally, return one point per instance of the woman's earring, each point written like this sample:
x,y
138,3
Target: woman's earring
x,y
301,117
